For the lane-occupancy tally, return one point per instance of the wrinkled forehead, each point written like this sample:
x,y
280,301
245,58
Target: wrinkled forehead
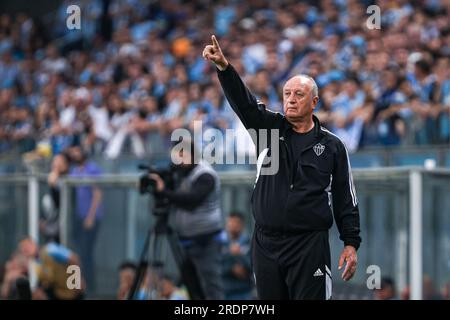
x,y
298,83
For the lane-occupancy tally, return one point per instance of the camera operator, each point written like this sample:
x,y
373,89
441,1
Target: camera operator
x,y
198,217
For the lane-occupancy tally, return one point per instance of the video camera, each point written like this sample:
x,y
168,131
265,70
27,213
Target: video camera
x,y
148,185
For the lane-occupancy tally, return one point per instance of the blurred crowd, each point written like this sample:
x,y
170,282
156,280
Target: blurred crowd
x,y
134,71
40,272
50,261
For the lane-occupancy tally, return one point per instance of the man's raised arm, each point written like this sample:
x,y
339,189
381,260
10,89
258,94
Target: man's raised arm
x,y
252,113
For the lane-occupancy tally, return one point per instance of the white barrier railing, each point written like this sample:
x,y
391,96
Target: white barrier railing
x,y
412,175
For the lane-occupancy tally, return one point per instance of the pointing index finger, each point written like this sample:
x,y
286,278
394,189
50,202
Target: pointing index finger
x,y
215,42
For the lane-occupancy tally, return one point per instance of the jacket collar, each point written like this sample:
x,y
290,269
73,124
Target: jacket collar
x,y
317,132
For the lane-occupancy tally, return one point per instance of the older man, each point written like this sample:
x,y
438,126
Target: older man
x,y
292,208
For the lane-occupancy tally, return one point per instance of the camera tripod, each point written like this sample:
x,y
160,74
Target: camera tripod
x,y
158,236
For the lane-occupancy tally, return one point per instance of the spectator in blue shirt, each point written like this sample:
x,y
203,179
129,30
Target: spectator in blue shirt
x,y
169,289
237,275
347,106
127,272
88,212
389,124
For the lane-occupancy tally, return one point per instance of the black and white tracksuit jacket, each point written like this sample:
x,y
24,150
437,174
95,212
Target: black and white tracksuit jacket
x,y
301,195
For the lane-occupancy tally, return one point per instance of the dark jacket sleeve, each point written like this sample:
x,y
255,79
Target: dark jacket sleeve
x,y
345,203
251,112
193,197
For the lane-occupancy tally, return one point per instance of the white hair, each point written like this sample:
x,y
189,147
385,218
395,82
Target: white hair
x,y
315,88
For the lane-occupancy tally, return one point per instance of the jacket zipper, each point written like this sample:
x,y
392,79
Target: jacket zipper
x,y
289,159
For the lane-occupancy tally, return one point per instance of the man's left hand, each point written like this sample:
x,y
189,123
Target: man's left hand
x,y
159,182
349,256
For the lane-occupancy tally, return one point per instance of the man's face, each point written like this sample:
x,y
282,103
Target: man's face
x,y
384,294
28,247
234,226
298,99
350,88
389,79
76,155
126,277
79,103
167,288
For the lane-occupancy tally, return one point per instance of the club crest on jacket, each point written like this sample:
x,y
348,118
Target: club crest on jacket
x,y
318,149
